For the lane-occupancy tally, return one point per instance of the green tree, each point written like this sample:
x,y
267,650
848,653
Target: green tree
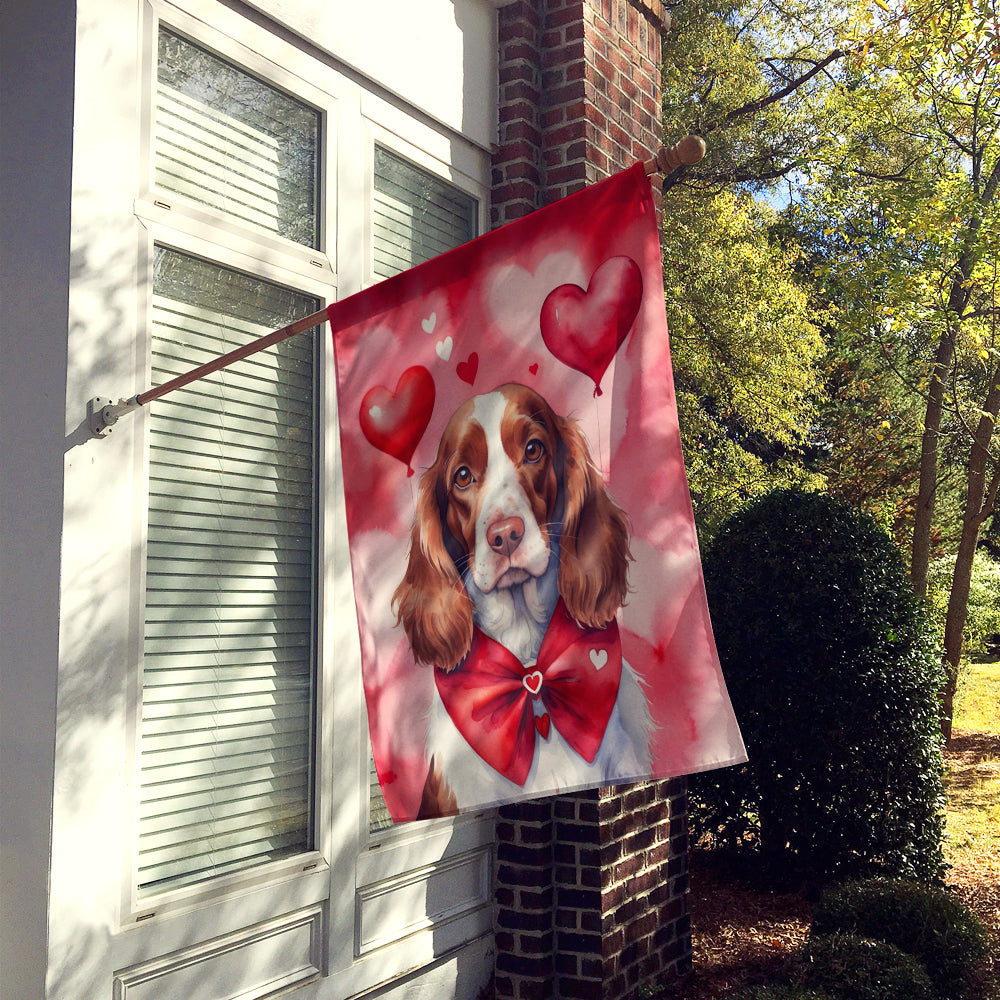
x,y
747,353
912,189
747,357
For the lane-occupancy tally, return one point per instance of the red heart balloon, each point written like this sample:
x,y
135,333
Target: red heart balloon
x,y
394,422
584,329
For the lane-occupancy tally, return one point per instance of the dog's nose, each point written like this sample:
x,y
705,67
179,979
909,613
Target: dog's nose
x,y
505,535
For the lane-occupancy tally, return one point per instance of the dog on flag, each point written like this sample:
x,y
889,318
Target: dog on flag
x,y
517,567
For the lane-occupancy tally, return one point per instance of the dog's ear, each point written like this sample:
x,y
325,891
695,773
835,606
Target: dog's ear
x,y
431,602
593,567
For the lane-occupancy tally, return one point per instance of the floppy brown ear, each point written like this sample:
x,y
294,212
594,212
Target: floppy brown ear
x,y
593,567
431,602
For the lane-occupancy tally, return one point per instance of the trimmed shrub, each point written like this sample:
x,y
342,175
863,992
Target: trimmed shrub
x,y
856,968
925,922
833,672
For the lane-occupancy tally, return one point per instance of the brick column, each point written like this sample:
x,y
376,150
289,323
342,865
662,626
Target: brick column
x,y
591,889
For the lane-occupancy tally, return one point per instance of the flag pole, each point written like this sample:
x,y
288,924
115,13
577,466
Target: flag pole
x,y
103,414
687,152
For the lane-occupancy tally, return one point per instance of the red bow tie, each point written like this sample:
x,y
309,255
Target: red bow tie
x,y
490,696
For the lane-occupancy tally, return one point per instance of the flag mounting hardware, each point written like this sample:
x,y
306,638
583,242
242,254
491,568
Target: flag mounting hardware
x,y
103,413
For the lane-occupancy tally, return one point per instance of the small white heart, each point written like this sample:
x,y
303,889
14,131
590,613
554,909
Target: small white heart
x,y
533,681
375,412
598,657
443,348
429,323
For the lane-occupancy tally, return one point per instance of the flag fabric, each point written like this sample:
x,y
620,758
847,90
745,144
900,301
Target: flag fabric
x,y
528,586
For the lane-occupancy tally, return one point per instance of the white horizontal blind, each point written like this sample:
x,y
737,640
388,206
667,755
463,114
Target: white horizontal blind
x,y
228,658
416,216
225,139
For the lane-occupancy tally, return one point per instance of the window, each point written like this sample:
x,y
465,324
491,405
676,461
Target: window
x,y
227,140
415,216
228,689
273,184
229,646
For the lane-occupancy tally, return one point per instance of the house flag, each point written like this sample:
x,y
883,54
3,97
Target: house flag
x,y
529,593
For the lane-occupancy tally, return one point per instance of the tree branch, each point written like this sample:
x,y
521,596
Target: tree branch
x,y
754,106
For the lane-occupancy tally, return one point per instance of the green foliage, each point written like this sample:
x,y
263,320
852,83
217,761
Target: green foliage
x,y
746,355
983,613
857,968
833,673
926,922
745,343
727,70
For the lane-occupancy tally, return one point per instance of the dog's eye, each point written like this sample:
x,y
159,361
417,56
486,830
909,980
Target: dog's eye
x,y
463,477
534,450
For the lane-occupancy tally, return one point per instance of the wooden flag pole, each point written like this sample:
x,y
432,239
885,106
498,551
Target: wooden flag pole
x,y
687,152
103,413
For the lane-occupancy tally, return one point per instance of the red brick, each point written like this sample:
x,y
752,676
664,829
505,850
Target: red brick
x,y
573,988
518,49
520,92
520,130
518,111
552,117
531,899
564,54
566,175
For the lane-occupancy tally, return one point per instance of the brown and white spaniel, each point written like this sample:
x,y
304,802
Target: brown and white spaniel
x,y
514,529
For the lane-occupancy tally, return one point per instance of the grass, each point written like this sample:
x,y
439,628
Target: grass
x,y
973,783
972,847
978,698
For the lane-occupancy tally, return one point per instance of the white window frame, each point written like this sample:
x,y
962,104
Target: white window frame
x,y
351,874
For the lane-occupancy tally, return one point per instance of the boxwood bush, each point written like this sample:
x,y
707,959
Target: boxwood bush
x,y
833,672
924,921
856,968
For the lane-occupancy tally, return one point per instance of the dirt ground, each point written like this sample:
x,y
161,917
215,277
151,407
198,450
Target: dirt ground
x,y
742,935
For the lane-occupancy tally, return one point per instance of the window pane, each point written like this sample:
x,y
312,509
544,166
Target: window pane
x,y
228,658
416,216
228,140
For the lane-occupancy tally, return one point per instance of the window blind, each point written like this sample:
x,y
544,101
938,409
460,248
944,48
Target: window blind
x,y
415,216
228,653
225,139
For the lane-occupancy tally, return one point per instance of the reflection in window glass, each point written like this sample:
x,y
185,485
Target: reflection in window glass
x,y
228,140
416,215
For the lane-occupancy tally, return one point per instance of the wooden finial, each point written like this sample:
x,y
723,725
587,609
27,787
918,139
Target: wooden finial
x,y
688,151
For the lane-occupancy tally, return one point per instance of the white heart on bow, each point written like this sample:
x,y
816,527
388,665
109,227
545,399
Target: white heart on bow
x,y
429,323
532,682
375,412
443,348
599,657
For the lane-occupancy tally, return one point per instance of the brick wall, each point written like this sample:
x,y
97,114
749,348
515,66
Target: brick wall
x,y
579,96
591,893
591,889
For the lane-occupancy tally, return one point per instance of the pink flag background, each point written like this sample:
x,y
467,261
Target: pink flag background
x,y
465,323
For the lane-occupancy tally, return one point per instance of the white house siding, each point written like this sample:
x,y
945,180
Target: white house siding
x,y
356,914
